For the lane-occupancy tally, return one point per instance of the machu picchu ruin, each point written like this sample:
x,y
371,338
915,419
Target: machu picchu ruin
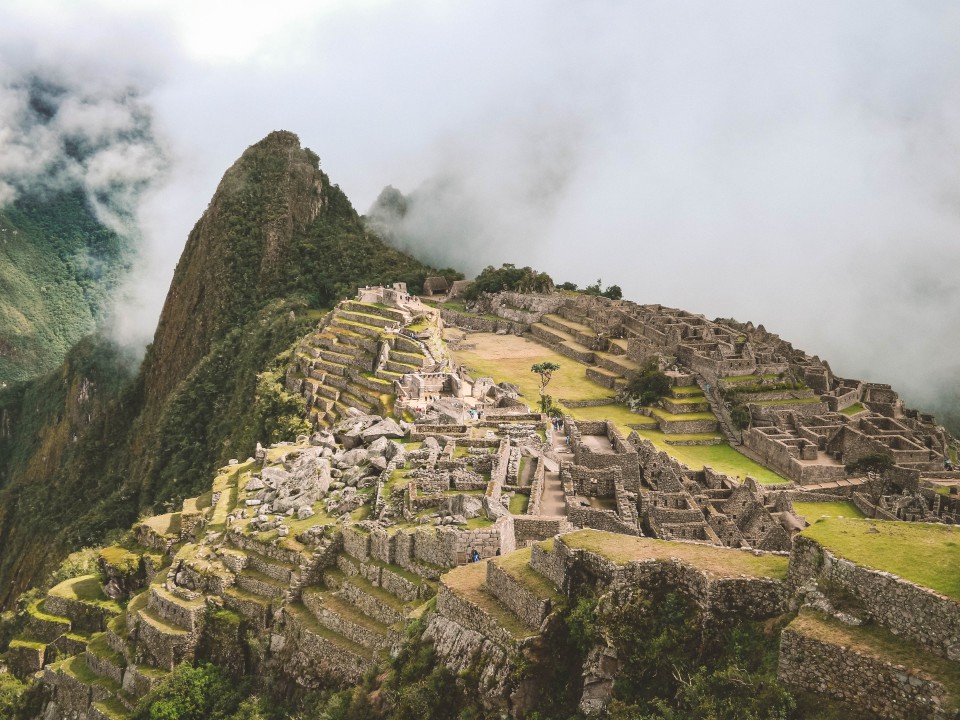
x,y
429,493
346,485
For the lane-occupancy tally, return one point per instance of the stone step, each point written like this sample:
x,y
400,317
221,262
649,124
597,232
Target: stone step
x,y
334,356
26,656
260,584
399,367
618,346
405,344
109,709
176,610
284,572
463,597
329,368
677,406
375,384
116,636
83,602
327,392
332,653
403,584
141,679
357,328
526,593
44,625
389,376
364,393
551,335
373,601
616,363
415,359
348,398
371,309
333,343
341,617
255,608
79,688
365,318
162,642
104,660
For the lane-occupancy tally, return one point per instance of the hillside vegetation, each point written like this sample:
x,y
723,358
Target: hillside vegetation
x,y
58,265
278,242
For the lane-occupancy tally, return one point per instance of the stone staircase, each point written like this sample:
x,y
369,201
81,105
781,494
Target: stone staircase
x,y
575,340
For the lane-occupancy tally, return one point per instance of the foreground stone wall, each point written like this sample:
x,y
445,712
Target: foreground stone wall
x,y
908,610
866,682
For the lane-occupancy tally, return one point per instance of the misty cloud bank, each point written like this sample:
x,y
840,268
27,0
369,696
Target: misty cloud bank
x,y
795,164
60,133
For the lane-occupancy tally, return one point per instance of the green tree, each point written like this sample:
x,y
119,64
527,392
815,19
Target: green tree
x,y
545,370
648,384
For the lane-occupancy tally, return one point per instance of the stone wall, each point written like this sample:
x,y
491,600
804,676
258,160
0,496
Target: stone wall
x,y
476,323
529,608
867,682
908,610
528,530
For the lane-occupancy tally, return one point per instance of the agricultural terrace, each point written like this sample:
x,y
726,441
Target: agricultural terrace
x,y
925,553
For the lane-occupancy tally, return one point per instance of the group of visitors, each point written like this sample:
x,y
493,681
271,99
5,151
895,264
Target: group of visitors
x,y
476,414
557,423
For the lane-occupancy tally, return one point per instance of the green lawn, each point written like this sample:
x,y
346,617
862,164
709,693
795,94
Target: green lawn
x,y
924,553
853,409
519,503
721,458
509,358
811,511
801,401
715,560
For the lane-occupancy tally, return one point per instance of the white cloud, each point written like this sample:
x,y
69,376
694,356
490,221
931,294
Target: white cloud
x,y
792,163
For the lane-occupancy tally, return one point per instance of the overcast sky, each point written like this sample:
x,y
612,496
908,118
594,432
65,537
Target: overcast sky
x,y
795,164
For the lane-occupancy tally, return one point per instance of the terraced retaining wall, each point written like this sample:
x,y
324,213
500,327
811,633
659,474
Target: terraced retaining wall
x,y
908,610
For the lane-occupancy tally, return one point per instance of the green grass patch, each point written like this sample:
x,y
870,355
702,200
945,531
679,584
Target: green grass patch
x,y
925,553
477,523
811,511
853,409
739,379
509,358
86,589
517,565
519,503
724,562
722,458
773,403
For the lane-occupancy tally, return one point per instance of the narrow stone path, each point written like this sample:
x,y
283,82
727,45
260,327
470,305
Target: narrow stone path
x,y
553,503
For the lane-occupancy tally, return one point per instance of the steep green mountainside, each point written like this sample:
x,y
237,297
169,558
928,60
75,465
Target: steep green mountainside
x,y
58,265
277,243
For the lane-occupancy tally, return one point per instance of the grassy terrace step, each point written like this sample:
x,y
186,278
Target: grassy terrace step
x,y
774,403
880,644
357,328
681,417
375,309
164,627
688,398
347,611
742,379
77,668
112,708
896,547
408,357
365,318
306,619
574,327
248,579
517,566
99,647
379,594
86,589
721,562
468,583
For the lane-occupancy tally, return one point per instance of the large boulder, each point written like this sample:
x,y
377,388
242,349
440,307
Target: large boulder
x,y
386,428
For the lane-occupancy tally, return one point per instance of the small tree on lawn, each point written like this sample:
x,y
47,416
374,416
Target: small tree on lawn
x,y
545,370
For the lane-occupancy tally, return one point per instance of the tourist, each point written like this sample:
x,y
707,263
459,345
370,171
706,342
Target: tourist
x,y
476,556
